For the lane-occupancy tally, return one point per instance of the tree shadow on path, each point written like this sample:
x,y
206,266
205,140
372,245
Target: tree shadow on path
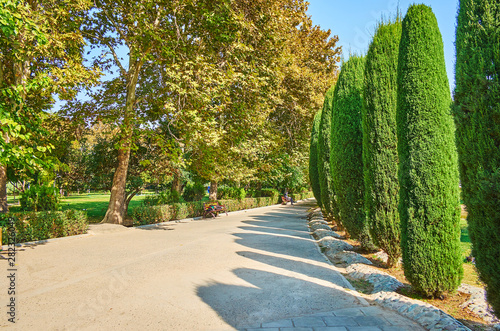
x,y
288,276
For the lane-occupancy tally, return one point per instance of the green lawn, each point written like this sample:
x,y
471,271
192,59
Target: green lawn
x,y
470,274
95,204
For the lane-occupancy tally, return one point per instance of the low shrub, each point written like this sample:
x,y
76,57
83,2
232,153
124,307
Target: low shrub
x,y
34,226
39,198
143,215
185,210
162,198
270,193
193,192
228,192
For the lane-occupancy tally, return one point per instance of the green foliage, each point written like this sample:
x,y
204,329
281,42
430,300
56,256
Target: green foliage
x,y
267,193
328,199
33,226
428,169
143,215
230,192
477,118
380,152
40,198
163,198
313,160
346,160
193,191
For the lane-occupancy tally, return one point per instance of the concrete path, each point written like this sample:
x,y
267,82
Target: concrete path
x,y
255,269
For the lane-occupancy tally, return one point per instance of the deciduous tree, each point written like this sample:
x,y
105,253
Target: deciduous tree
x,y
41,54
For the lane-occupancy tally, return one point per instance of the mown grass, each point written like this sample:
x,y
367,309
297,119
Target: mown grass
x,y
470,273
95,204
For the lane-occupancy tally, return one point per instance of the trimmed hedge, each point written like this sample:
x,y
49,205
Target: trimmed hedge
x,y
429,206
380,141
346,161
313,159
34,226
328,201
477,118
157,214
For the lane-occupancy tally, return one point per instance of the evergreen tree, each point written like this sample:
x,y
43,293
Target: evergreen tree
x,y
428,163
477,114
313,160
325,177
380,152
346,149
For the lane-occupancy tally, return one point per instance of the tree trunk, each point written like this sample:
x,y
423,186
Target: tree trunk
x,y
176,183
117,208
4,208
212,195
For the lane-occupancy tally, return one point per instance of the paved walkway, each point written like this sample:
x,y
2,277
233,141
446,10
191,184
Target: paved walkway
x,y
257,269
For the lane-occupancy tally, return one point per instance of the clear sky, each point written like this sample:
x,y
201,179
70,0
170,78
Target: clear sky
x,y
354,22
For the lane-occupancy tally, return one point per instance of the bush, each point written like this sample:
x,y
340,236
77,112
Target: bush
x,y
163,198
477,114
270,193
330,209
193,192
145,214
428,169
39,198
34,226
347,147
380,141
229,192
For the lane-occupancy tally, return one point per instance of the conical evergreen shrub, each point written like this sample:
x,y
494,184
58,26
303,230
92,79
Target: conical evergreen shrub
x,y
428,174
313,159
325,177
346,149
477,117
380,148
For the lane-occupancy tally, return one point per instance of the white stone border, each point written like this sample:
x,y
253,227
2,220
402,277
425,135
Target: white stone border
x,y
428,316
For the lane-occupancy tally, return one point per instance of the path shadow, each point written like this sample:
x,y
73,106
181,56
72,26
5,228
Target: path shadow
x,y
294,278
272,297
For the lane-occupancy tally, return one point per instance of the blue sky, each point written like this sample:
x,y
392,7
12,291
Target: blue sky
x,y
354,22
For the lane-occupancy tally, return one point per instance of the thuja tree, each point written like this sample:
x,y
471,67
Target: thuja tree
x,y
477,114
313,160
428,164
324,173
346,149
380,152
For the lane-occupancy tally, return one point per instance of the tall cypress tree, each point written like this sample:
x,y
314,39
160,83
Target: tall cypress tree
x,y
325,177
313,160
380,152
428,174
346,149
477,117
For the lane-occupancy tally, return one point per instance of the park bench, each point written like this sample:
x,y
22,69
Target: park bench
x,y
212,209
285,200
